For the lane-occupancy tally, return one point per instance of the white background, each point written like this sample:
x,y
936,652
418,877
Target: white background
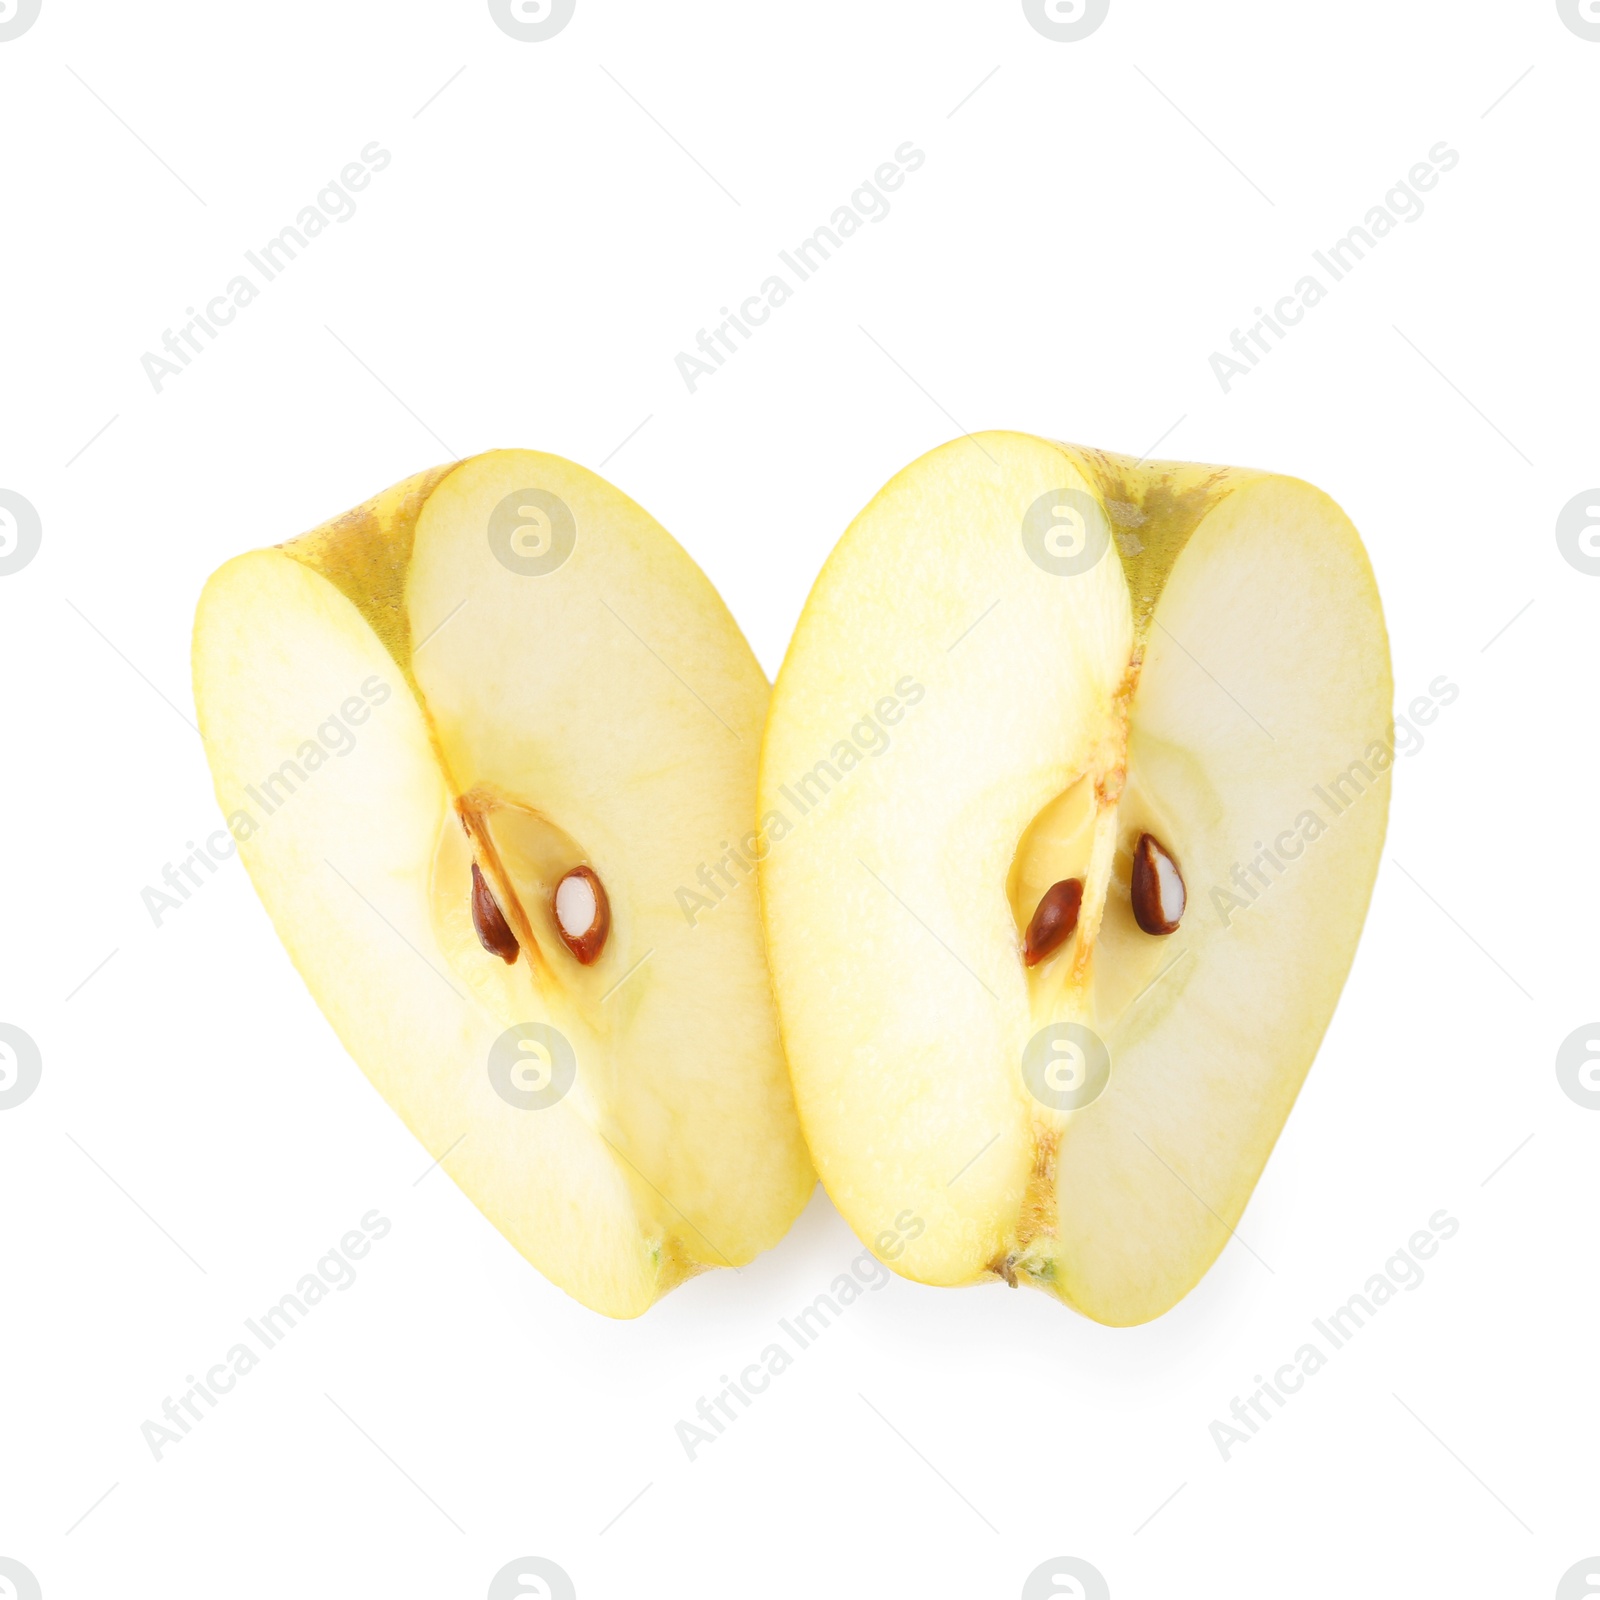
x,y
524,273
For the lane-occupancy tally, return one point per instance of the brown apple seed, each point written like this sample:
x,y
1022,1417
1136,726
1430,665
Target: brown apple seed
x,y
582,913
1158,894
494,933
1053,922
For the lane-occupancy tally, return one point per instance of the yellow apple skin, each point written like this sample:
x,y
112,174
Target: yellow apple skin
x,y
1222,657
605,714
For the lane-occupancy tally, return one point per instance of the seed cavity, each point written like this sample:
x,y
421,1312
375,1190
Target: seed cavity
x,y
1053,921
1158,893
494,932
583,914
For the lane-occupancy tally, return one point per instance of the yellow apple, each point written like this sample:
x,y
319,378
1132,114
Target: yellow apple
x,y
547,716
1053,963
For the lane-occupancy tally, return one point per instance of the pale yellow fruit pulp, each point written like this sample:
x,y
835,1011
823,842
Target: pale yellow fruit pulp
x,y
605,713
1223,659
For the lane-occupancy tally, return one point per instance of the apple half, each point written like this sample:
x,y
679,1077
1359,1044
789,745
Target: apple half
x,y
473,737
1075,781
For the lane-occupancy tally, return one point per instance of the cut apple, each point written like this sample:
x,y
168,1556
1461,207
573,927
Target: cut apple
x,y
1157,717
473,736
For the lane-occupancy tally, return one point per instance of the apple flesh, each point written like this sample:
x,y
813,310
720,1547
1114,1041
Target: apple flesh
x,y
1137,676
551,693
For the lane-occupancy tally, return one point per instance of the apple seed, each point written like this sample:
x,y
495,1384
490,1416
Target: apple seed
x,y
494,933
1054,920
1158,893
583,914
